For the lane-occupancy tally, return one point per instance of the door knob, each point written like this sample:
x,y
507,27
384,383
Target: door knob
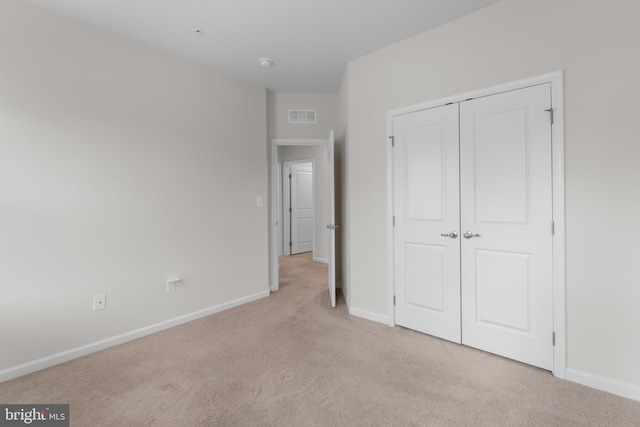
x,y
468,235
452,234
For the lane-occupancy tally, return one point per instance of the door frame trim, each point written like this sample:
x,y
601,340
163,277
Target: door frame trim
x,y
273,227
555,79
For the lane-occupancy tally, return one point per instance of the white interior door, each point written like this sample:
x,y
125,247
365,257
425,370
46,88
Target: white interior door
x,y
331,226
302,201
506,205
426,241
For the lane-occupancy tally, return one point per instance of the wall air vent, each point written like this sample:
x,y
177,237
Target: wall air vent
x,y
302,116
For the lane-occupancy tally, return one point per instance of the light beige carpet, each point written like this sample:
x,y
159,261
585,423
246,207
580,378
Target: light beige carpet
x,y
291,360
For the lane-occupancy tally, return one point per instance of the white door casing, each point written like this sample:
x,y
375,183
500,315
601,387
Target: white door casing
x,y
427,274
513,265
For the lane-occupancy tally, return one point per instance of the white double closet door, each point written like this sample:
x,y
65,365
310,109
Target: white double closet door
x,y
473,223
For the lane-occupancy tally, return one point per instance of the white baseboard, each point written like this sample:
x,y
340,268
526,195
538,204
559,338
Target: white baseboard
x,y
628,390
65,356
380,318
322,260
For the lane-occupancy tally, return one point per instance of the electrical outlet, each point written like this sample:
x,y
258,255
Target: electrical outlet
x,y
99,302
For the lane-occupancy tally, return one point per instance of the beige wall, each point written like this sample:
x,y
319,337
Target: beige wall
x,y
596,44
120,167
326,104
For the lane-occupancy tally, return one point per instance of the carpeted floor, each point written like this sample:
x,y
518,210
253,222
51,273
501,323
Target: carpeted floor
x,y
291,360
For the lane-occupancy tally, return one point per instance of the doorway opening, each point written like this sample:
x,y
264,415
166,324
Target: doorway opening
x,y
324,237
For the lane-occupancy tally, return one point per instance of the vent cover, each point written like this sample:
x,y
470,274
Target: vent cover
x,y
302,116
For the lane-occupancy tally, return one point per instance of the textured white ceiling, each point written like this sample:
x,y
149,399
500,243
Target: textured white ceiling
x,y
310,42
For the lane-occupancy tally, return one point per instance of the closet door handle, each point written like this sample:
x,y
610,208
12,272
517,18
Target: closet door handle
x,y
452,234
468,235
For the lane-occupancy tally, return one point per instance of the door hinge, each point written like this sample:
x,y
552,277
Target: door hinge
x,y
394,221
394,300
290,210
290,243
553,338
393,141
289,176
550,111
553,228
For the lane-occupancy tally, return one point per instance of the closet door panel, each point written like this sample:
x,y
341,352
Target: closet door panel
x,y
506,215
426,204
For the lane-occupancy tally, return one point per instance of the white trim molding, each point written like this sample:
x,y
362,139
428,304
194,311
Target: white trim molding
x,y
620,388
375,317
65,356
